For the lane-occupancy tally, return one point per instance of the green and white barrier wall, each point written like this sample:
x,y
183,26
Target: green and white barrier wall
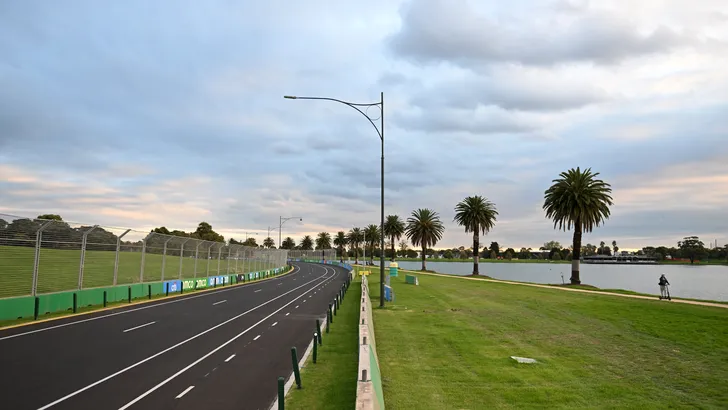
x,y
369,393
72,300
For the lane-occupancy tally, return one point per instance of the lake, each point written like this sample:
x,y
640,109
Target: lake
x,y
694,282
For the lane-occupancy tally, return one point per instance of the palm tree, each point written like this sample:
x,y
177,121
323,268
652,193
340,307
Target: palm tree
x,y
372,235
288,243
424,229
268,242
615,247
476,214
323,242
581,200
601,247
306,243
354,238
340,242
393,229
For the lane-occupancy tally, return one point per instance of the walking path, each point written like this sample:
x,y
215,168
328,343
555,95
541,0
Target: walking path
x,y
688,302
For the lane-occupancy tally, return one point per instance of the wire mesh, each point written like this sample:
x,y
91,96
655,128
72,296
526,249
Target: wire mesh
x,y
41,256
328,254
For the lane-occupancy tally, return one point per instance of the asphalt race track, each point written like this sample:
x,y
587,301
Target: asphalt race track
x,y
222,349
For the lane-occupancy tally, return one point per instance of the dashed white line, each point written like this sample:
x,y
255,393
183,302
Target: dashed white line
x,y
257,290
217,303
229,358
288,313
139,327
304,301
187,390
296,306
256,338
274,324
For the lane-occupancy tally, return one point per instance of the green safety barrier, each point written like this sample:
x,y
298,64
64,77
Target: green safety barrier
x,y
411,279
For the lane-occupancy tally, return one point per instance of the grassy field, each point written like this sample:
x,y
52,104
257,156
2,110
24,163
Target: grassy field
x,y
58,269
331,382
446,344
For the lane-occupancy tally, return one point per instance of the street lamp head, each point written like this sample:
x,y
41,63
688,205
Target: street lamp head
x,y
290,97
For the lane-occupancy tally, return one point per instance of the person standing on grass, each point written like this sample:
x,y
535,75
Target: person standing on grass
x,y
663,287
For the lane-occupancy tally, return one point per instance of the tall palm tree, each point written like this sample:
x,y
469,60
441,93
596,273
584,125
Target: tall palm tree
x,y
373,235
601,247
288,243
476,214
323,242
306,243
393,229
268,242
615,248
340,242
577,198
354,238
424,229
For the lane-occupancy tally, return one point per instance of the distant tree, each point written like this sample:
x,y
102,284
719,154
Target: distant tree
x,y
393,229
306,243
512,251
288,243
268,242
509,254
323,241
232,241
615,247
577,198
50,217
424,229
340,242
372,236
205,232
355,237
477,215
403,248
447,254
161,230
524,253
494,248
692,247
551,245
493,255
557,255
411,253
251,242
589,250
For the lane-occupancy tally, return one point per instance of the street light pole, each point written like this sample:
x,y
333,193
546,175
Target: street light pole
x,y
380,132
281,221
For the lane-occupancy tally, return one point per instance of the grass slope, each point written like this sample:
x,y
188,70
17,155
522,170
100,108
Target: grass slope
x,y
447,342
58,269
331,382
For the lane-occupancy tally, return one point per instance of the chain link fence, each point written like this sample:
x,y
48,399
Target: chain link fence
x,y
41,256
327,254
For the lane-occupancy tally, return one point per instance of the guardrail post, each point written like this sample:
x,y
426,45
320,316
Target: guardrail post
x,y
296,371
318,331
331,316
36,309
116,257
281,393
364,375
83,256
38,243
129,293
75,302
315,348
104,298
149,291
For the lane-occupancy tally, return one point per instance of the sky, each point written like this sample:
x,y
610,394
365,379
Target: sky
x,y
141,114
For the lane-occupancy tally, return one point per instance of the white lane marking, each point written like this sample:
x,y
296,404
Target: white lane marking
x,y
213,351
68,396
217,303
229,358
296,306
140,326
140,308
256,338
187,390
274,324
304,301
288,313
257,290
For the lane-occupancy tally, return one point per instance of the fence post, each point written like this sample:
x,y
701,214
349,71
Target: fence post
x,y
182,256
237,256
219,255
227,269
83,256
281,393
296,371
315,348
207,267
38,243
318,330
164,255
116,258
197,253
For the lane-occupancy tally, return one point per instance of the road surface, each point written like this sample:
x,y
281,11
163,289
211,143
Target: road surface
x,y
222,349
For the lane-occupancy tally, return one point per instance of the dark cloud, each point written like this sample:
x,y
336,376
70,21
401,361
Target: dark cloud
x,y
439,30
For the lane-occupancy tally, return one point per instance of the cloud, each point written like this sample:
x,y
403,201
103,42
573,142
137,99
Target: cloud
x,y
456,31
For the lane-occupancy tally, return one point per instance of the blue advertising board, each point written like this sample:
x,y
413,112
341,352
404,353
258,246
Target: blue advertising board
x,y
173,285
217,280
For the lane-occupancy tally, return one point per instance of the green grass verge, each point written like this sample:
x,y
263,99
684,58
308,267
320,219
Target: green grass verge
x,y
58,269
447,344
331,382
